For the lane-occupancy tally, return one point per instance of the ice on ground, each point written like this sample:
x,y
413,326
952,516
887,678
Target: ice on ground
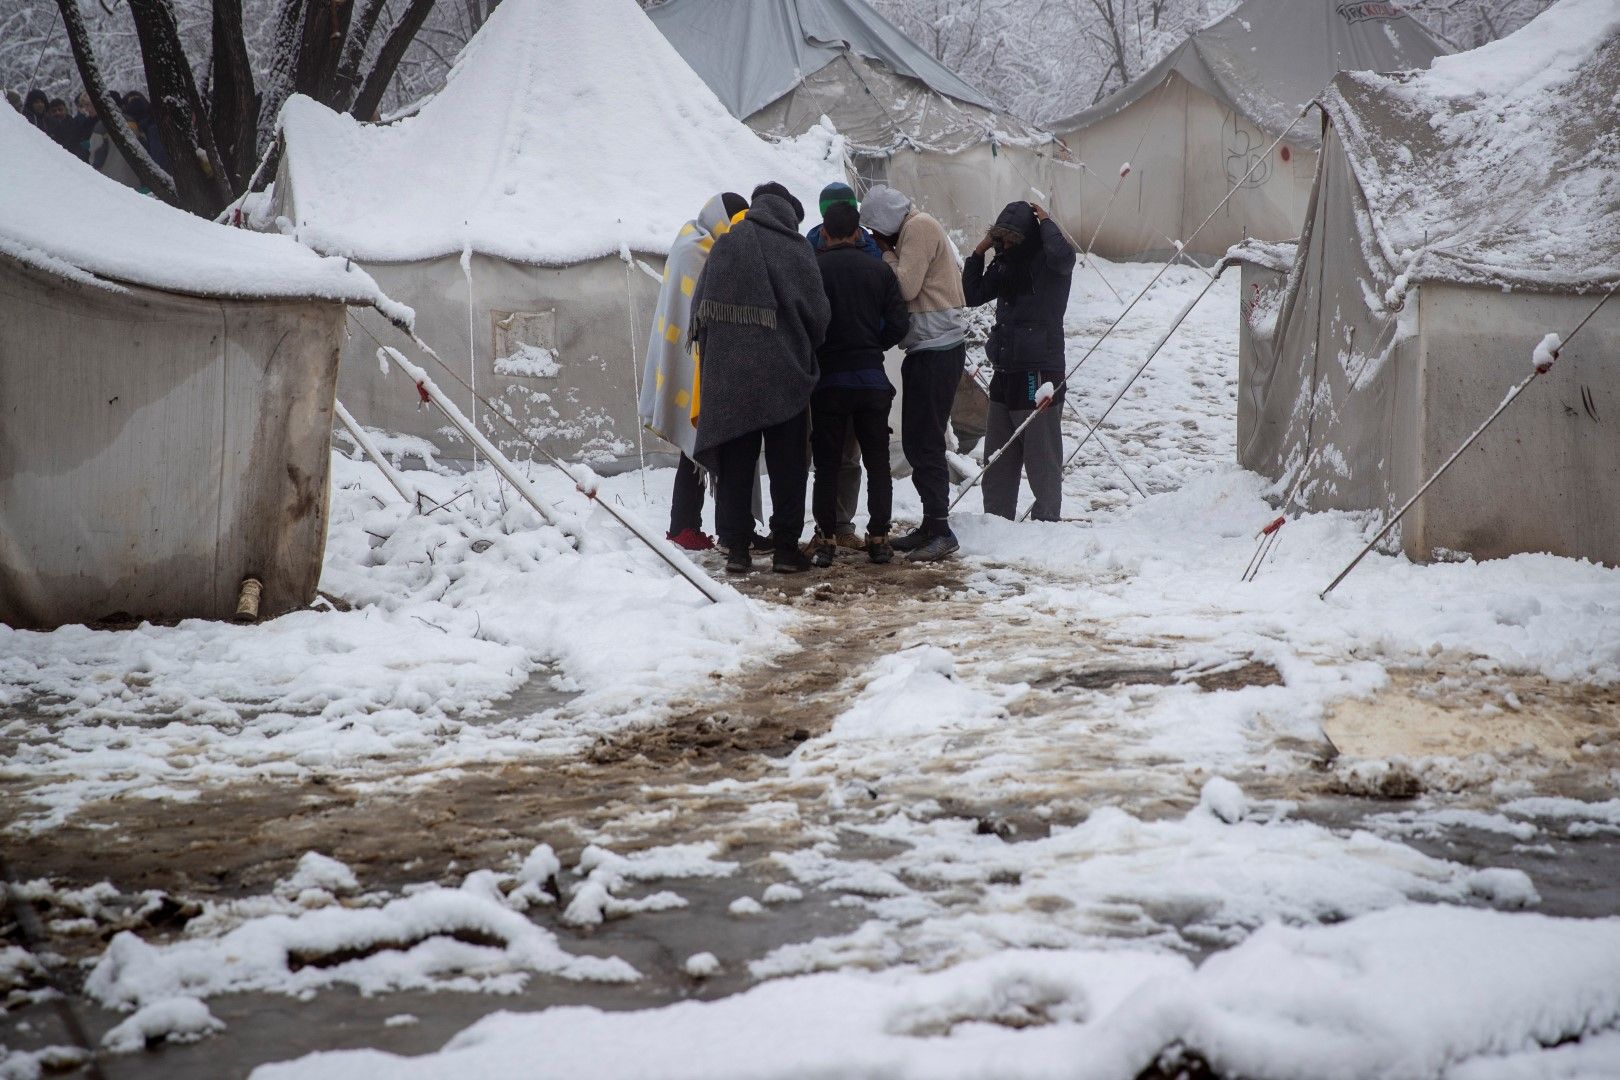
x,y
435,938
1416,992
702,965
171,1019
319,872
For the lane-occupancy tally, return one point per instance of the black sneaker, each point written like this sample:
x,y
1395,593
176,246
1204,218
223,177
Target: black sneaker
x,y
879,550
762,543
913,540
739,561
822,551
937,548
791,561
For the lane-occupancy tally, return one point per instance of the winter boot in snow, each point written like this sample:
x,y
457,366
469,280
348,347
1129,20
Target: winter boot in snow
x,y
822,551
790,560
879,550
849,540
691,540
913,540
937,548
739,560
762,543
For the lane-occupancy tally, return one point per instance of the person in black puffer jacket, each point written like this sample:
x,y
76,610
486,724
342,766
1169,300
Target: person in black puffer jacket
x,y
869,315
1029,281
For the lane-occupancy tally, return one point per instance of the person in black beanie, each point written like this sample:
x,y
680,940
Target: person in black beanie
x,y
758,314
869,315
1029,281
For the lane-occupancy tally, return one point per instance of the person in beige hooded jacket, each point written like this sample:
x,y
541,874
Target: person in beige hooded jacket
x,y
916,247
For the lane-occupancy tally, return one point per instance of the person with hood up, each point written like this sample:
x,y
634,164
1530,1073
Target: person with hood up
x,y
667,386
916,248
1029,281
853,395
849,465
758,314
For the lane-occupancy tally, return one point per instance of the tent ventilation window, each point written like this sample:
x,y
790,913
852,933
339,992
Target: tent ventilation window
x,y
525,343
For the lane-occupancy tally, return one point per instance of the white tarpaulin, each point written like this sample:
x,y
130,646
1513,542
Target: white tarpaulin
x,y
1460,215
1201,121
569,142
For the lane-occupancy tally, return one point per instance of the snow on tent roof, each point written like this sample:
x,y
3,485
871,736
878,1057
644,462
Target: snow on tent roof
x,y
567,130
1500,165
61,216
1269,58
752,53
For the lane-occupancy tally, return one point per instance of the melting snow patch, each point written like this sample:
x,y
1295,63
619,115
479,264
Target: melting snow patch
x,y
173,1019
702,965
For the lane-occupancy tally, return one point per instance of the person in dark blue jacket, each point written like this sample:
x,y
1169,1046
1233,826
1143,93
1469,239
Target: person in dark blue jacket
x,y
1029,281
853,393
849,466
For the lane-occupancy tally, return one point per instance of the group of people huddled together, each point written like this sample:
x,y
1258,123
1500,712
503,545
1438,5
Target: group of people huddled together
x,y
765,339
83,132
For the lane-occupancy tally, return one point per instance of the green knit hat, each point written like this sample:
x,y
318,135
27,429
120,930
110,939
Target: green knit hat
x,y
838,193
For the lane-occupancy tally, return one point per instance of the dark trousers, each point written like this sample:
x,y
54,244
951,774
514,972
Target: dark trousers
x,y
686,505
1037,452
787,459
836,414
929,378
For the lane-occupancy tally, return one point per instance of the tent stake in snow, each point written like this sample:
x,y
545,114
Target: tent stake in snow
x,y
1427,484
1546,353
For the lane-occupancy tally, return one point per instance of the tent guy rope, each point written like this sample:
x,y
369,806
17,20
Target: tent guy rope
x,y
583,478
1030,419
1545,356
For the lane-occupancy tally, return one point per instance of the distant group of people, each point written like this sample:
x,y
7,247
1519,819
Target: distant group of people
x,y
83,132
767,340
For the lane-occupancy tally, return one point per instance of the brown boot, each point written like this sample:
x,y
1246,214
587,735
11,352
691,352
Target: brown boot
x,y
879,550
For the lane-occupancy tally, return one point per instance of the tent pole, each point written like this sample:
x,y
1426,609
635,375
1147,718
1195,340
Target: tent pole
x,y
358,434
584,480
1542,367
1019,431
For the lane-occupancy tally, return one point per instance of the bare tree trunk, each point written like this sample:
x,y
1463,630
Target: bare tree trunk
x,y
199,174
347,83
235,117
393,51
112,118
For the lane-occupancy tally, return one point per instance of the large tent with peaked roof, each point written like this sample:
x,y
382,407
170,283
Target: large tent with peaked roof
x,y
1459,215
524,211
1202,120
908,120
165,400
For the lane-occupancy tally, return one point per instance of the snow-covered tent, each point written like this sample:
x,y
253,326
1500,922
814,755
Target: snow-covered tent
x,y
1192,126
1459,216
165,400
511,209
909,121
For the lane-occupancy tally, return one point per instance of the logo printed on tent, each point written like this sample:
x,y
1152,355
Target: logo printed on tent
x,y
1363,10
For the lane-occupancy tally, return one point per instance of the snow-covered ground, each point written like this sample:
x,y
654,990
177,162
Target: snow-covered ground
x,y
1066,805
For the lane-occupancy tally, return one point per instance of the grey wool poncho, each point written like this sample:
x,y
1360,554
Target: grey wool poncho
x,y
758,314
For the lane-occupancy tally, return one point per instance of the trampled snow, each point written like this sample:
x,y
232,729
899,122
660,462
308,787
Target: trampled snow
x,y
568,130
62,216
1416,992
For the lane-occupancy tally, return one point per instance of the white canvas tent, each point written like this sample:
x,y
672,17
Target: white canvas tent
x,y
1192,126
781,65
1459,216
568,143
165,400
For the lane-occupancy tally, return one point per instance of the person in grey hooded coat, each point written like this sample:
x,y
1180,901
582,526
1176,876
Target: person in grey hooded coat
x,y
758,314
